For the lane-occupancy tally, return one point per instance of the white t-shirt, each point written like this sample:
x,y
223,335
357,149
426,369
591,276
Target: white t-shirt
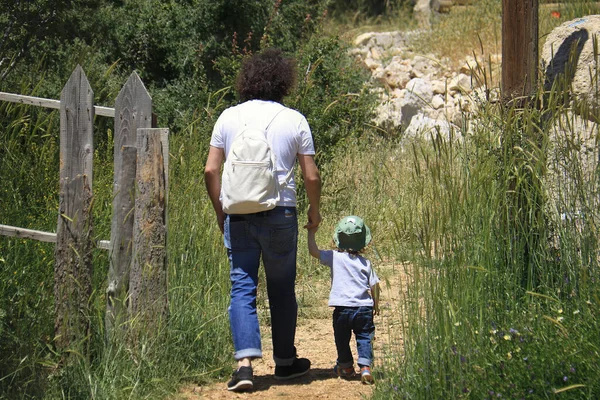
x,y
289,135
351,278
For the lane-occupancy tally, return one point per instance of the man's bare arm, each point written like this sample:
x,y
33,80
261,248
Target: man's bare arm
x,y
312,183
212,179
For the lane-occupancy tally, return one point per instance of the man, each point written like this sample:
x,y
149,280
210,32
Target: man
x,y
264,80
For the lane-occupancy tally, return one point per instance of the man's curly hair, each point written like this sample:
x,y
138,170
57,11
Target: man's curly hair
x,y
267,75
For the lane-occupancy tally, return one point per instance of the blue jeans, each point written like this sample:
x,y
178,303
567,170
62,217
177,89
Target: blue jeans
x,y
273,235
360,321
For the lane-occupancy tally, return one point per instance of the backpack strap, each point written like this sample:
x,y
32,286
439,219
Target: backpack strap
x,y
273,119
289,173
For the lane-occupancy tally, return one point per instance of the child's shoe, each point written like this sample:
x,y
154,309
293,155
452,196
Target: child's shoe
x,y
346,373
365,375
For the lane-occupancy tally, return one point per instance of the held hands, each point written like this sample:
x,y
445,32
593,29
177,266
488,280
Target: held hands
x,y
314,218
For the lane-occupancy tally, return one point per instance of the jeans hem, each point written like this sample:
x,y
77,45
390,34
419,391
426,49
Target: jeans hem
x,y
283,362
247,353
364,362
345,364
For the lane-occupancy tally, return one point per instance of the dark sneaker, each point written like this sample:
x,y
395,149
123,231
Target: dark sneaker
x,y
241,380
346,373
298,368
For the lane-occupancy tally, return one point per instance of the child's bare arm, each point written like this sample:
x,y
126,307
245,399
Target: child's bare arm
x,y
375,294
313,249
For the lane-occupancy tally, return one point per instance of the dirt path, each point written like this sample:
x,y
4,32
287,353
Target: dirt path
x,y
314,340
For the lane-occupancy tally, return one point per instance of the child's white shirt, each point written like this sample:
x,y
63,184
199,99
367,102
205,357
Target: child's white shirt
x,y
351,278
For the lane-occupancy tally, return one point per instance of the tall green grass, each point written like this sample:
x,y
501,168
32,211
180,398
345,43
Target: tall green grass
x,y
500,229
503,294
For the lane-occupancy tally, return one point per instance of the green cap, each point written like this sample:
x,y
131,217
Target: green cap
x,y
352,234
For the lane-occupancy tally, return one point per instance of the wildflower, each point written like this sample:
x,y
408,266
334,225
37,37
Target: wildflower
x,y
555,14
572,370
565,378
560,319
506,337
509,355
575,312
513,331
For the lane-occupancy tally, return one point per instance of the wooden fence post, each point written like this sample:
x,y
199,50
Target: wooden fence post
x,y
74,242
148,279
133,110
519,48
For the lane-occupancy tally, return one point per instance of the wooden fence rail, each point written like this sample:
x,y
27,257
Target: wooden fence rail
x,y
49,237
73,268
48,103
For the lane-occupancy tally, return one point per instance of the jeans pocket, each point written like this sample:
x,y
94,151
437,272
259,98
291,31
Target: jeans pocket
x,y
364,319
284,240
235,234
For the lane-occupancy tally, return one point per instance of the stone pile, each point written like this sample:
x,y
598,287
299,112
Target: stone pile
x,y
419,92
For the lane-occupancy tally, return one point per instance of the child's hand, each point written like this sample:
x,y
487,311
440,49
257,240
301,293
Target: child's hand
x,y
313,249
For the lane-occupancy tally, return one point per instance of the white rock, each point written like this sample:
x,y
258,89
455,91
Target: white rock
x,y
426,128
438,87
461,83
581,36
388,114
437,102
363,39
375,53
372,64
418,96
384,40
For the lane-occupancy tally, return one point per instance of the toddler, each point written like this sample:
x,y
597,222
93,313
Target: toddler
x,y
354,294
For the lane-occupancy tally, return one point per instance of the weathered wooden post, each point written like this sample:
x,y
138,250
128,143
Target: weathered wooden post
x,y
148,305
133,110
519,88
73,269
519,48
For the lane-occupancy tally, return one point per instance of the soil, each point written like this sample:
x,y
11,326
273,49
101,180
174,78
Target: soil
x,y
314,340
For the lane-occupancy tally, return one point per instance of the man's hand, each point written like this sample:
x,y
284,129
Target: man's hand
x,y
314,218
221,221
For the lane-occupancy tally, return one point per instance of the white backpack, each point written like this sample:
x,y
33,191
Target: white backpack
x,y
249,183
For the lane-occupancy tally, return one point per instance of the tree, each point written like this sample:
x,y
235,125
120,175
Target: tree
x,y
25,26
